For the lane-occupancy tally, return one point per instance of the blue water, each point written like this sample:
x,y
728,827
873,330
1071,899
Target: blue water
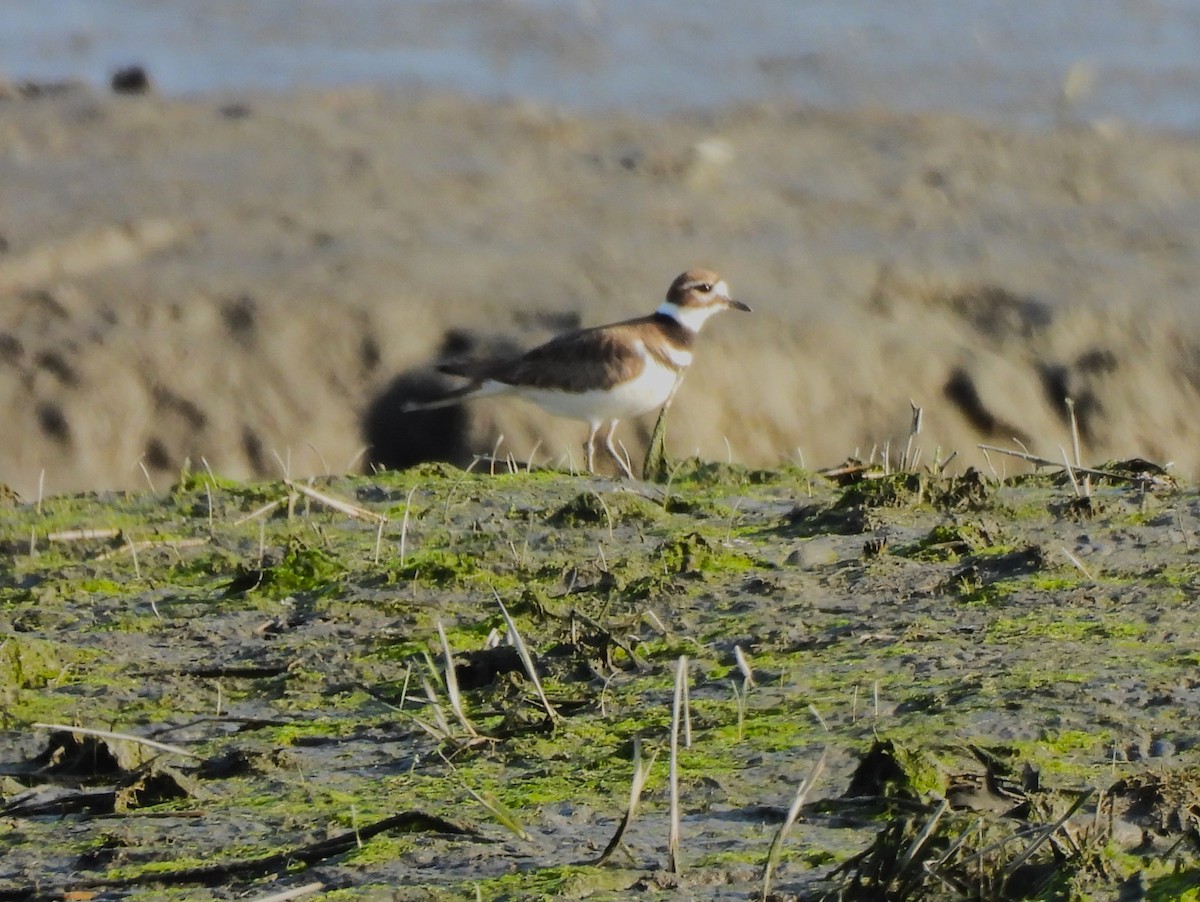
x,y
1003,60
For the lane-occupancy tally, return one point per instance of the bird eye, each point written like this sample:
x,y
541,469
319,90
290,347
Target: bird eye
x,y
705,288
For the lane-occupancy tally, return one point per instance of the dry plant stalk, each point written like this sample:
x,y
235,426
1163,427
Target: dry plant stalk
x,y
146,473
1046,462
289,894
452,684
128,737
1070,403
134,547
500,812
337,504
404,524
607,513
919,840
914,429
687,714
1079,493
379,540
743,664
673,862
441,728
1076,561
739,700
526,658
786,827
1045,834
497,808
82,535
817,714
259,512
641,773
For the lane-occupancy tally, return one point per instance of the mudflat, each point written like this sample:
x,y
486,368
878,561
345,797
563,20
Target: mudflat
x,y
255,280
958,675
948,685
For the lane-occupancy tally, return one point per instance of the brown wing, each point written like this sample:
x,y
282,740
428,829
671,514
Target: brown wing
x,y
576,361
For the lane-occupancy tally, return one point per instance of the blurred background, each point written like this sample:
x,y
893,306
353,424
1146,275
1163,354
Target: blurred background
x,y
243,232
1028,63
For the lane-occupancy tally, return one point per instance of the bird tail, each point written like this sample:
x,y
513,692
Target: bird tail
x,y
449,399
478,387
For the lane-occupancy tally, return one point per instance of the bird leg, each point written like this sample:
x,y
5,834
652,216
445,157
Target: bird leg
x,y
612,452
589,447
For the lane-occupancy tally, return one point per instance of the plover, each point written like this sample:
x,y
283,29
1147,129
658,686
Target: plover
x,y
604,374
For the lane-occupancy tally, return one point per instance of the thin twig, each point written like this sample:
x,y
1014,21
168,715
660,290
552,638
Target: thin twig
x,y
919,840
134,547
137,570
288,894
259,512
1046,462
321,457
991,466
1070,402
146,473
82,535
285,468
1076,561
128,737
1049,831
1070,473
817,714
404,524
379,539
345,507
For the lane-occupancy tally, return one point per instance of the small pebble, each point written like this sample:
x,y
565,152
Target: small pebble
x,y
812,553
1162,748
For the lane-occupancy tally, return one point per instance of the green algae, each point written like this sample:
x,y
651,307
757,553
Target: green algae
x,y
551,883
823,644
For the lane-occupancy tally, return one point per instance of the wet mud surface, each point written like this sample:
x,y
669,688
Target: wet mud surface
x,y
999,683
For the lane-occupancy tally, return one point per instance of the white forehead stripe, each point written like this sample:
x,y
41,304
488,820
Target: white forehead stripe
x,y
721,289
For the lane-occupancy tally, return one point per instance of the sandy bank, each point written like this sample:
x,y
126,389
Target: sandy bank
x,y
235,278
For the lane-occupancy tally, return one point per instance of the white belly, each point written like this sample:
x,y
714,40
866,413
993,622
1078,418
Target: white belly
x,y
647,392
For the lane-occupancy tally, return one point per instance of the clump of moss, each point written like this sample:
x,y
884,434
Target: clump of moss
x,y
951,541
808,520
697,473
436,566
302,568
591,509
1079,509
967,491
891,771
892,490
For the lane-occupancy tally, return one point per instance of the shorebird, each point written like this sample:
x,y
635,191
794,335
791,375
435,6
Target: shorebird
x,y
604,374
